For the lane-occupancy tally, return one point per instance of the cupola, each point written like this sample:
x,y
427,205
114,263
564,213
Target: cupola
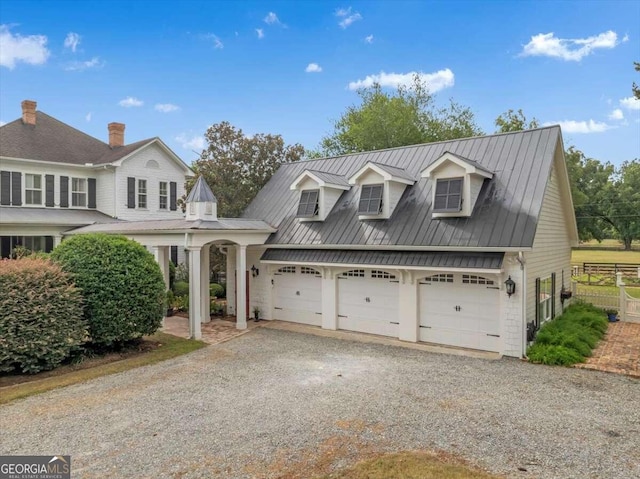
x,y
201,203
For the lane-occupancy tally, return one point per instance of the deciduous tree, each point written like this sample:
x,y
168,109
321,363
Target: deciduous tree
x,y
512,120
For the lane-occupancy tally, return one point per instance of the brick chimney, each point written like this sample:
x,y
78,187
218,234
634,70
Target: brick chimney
x,y
116,134
29,112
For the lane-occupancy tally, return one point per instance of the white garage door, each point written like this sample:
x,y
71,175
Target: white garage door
x,y
298,295
460,310
368,302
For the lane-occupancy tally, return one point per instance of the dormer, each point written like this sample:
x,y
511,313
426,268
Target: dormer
x,y
201,203
319,192
381,187
456,185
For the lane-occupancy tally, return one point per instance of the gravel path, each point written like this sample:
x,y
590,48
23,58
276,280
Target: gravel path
x,y
280,404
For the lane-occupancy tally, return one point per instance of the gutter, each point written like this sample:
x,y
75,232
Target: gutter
x,y
523,268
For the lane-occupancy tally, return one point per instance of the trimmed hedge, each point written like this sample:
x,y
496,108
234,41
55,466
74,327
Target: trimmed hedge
x,y
41,321
181,288
121,283
217,290
570,338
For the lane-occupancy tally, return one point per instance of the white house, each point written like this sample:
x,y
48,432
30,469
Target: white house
x,y
464,243
54,178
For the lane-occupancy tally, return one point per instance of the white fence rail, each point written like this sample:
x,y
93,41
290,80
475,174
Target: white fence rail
x,y
627,306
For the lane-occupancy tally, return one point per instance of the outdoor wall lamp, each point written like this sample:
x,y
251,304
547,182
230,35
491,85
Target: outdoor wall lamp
x,y
511,286
254,271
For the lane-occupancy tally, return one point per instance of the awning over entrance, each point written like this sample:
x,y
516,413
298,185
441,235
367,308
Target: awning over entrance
x,y
426,259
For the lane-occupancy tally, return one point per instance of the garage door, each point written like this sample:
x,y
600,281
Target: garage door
x,y
368,302
460,310
298,295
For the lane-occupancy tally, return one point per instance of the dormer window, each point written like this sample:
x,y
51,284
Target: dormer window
x,y
448,195
370,199
308,206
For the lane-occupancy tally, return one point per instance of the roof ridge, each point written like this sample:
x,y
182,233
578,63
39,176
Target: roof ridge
x,y
424,144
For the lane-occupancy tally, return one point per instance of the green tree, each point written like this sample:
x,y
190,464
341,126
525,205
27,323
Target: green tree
x,y
237,166
407,116
635,88
512,120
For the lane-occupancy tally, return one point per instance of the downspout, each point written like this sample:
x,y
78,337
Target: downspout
x,y
523,263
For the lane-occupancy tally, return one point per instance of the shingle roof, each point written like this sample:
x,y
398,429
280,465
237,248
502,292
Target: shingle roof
x,y
52,216
433,259
505,215
201,192
54,141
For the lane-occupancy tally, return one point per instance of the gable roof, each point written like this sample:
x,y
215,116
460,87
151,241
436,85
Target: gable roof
x,y
53,141
505,215
474,164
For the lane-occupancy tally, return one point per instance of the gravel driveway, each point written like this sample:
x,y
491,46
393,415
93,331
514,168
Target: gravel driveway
x,y
280,404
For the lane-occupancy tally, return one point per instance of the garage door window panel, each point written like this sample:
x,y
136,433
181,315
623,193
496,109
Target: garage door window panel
x,y
448,196
440,278
473,279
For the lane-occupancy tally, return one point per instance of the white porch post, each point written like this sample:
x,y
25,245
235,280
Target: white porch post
x,y
205,294
231,280
241,293
329,297
57,239
195,280
408,311
161,254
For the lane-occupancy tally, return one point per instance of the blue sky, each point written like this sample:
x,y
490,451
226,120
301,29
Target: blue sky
x,y
170,69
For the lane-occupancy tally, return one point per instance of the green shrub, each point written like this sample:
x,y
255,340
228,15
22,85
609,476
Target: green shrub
x,y
41,321
121,283
182,272
181,288
181,303
216,290
571,337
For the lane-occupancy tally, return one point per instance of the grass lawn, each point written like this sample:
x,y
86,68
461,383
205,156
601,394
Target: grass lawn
x,y
579,256
411,465
161,346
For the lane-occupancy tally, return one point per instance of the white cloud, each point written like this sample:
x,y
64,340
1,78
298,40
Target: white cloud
x,y
272,19
79,66
625,38
130,101
435,81
31,49
368,39
548,45
630,103
616,114
166,107
313,68
88,117
191,143
347,18
571,126
217,43
72,41
260,33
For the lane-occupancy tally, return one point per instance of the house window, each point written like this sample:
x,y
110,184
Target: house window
x,y
448,195
142,193
79,192
545,300
370,200
287,269
354,273
164,195
33,189
381,274
307,270
440,278
473,279
308,205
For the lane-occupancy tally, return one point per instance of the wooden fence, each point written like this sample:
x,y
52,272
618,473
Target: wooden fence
x,y
628,270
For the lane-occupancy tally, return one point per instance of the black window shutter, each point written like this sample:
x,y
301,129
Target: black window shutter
x,y
48,244
92,193
537,321
174,255
64,192
5,188
173,200
131,192
49,189
553,295
16,188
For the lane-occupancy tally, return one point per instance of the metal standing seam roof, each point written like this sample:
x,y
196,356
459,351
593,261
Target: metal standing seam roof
x,y
330,178
52,216
505,214
395,171
432,259
201,192
471,162
147,226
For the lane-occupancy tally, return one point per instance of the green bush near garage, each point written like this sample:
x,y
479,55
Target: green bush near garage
x,y
217,290
571,337
122,286
41,315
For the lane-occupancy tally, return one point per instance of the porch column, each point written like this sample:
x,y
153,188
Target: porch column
x,y
57,239
329,296
195,280
161,254
241,293
408,311
231,280
205,295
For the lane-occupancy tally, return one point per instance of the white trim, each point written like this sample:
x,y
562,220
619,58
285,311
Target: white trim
x,y
385,175
167,150
483,249
388,267
308,174
73,165
467,167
